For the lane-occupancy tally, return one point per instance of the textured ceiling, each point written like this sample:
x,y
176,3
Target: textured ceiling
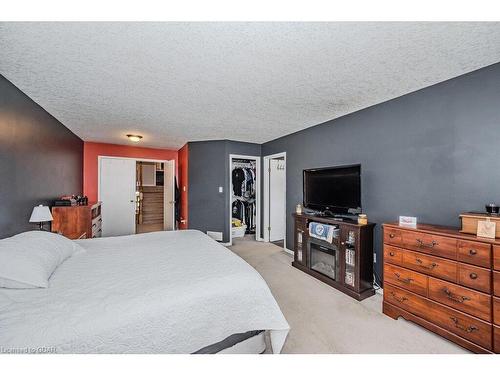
x,y
178,82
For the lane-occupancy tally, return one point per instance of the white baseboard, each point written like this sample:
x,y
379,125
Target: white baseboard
x,y
288,251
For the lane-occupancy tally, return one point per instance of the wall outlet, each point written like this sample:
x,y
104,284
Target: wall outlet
x,y
374,257
221,189
215,235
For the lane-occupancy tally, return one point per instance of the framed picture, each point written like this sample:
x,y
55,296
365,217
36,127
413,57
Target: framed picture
x,y
486,228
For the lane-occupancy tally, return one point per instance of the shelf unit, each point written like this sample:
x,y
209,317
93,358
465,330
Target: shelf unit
x,y
349,266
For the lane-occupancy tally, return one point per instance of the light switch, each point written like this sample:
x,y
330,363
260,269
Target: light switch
x,y
221,189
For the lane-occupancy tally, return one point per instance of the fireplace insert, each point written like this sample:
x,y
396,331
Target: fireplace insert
x,y
324,258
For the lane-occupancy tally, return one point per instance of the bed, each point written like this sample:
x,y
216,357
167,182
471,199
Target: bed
x,y
161,292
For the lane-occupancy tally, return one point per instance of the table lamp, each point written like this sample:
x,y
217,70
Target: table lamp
x,y
40,215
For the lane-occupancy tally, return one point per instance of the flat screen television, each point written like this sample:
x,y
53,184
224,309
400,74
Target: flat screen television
x,y
333,190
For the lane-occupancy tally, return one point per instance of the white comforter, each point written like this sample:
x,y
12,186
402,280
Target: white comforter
x,y
163,292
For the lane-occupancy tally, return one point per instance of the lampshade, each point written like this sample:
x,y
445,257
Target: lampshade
x,y
40,214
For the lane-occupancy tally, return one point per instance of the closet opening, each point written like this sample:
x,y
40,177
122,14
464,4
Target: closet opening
x,y
244,197
137,195
275,199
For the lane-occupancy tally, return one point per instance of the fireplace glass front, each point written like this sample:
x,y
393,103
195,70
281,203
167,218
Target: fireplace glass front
x,y
324,258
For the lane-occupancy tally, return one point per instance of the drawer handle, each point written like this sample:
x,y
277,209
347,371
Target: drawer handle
x,y
468,329
459,299
421,243
399,299
407,280
392,235
429,267
391,253
473,276
472,251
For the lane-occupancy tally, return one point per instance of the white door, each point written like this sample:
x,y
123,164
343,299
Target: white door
x,y
169,196
117,193
277,219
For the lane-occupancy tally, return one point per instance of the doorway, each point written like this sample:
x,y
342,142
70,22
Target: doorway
x,y
275,199
244,197
138,195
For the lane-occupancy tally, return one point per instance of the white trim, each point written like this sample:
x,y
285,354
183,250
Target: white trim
x,y
287,250
229,190
267,160
100,157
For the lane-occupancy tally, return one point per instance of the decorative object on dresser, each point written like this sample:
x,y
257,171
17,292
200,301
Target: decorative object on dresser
x,y
346,263
40,214
469,222
441,279
77,222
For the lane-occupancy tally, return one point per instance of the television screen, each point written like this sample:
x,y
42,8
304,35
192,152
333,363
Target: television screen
x,y
335,189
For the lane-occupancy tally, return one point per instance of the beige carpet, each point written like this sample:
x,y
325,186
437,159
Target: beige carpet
x,y
324,320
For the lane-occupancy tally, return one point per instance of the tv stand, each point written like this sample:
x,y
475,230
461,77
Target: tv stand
x,y
345,264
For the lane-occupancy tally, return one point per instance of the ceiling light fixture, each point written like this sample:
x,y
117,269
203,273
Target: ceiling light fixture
x,y
134,137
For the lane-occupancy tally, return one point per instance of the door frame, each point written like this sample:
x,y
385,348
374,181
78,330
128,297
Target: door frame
x,y
267,187
257,194
100,157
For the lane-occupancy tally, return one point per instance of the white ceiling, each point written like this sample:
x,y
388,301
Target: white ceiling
x,y
178,82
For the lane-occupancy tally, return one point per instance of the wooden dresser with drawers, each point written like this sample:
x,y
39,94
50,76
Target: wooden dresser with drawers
x,y
78,222
445,281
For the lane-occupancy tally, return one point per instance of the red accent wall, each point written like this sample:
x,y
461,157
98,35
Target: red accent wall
x,y
183,185
92,150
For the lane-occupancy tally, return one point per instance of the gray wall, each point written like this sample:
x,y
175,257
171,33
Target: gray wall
x,y
40,159
432,154
208,169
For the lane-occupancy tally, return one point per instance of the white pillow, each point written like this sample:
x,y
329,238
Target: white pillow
x,y
28,259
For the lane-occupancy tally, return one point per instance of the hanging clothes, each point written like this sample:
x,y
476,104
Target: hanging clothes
x,y
244,190
177,198
238,176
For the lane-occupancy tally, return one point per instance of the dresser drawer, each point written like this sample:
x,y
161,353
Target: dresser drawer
x,y
392,236
407,279
496,283
474,253
474,277
433,266
496,257
460,298
393,254
454,321
431,244
496,310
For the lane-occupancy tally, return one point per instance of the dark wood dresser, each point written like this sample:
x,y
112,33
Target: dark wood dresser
x,y
445,281
349,256
76,222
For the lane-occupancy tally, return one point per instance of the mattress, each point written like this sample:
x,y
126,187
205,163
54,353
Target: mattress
x,y
161,292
